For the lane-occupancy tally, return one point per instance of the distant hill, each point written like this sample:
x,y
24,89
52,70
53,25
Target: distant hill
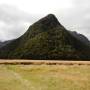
x,y
47,39
4,43
80,37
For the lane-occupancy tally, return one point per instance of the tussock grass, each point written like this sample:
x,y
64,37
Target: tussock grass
x,y
44,77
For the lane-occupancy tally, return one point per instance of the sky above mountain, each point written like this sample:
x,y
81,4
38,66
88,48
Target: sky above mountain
x,y
17,15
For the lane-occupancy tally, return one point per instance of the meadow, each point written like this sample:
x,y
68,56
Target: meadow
x,y
44,77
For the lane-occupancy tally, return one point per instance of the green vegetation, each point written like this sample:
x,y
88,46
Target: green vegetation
x,y
44,77
46,39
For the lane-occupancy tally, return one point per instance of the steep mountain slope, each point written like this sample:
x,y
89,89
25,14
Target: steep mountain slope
x,y
80,37
46,39
2,44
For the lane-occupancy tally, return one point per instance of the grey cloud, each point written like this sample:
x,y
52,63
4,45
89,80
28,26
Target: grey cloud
x,y
16,22
12,14
77,18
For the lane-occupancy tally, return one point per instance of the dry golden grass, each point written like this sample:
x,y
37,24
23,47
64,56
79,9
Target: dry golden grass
x,y
46,62
44,77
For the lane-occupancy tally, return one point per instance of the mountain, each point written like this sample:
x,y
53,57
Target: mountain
x,y
2,44
46,39
80,37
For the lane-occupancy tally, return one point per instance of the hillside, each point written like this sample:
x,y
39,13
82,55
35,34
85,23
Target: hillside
x,y
80,37
46,39
4,43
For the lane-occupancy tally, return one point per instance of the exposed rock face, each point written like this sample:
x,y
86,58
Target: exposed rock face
x,y
46,39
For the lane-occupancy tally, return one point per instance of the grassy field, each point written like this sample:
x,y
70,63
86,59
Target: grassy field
x,y
44,77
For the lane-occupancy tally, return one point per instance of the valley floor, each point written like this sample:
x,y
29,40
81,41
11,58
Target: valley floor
x,y
44,77
43,62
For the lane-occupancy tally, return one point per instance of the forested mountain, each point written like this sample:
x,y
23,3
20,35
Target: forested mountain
x,y
47,39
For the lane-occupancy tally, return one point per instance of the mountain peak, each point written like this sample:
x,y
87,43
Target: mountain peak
x,y
50,20
51,16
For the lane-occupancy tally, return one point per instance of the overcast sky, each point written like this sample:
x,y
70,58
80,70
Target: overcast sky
x,y
17,15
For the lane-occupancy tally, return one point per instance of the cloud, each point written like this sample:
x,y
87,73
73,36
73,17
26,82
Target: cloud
x,y
77,18
13,22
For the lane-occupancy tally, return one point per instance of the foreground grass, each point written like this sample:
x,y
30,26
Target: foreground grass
x,y
44,77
